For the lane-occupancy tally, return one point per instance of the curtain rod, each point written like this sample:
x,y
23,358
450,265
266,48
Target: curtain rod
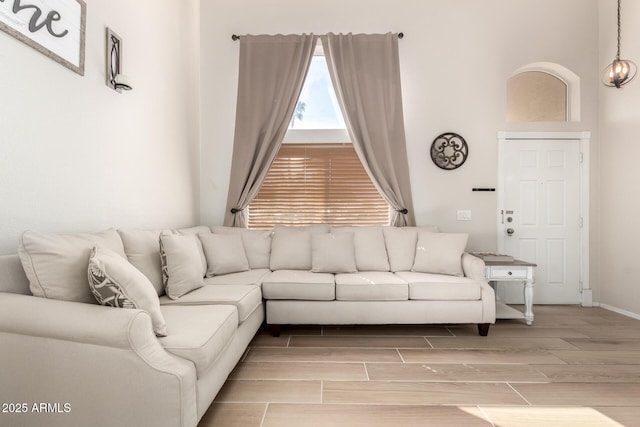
x,y
236,37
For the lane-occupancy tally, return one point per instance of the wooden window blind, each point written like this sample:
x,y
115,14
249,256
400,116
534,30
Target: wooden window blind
x,y
317,183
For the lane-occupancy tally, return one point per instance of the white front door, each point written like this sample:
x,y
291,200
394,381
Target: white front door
x,y
540,216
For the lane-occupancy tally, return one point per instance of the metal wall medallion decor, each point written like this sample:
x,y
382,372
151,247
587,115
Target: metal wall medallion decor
x,y
55,28
449,151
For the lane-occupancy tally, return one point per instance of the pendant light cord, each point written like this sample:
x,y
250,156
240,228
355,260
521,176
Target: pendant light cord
x,y
619,32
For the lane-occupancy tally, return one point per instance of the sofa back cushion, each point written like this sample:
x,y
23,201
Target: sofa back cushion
x,y
12,276
257,244
225,253
440,253
333,253
143,252
291,246
56,264
370,248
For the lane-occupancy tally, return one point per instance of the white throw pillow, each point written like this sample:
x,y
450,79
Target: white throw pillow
x,y
181,264
440,253
56,264
401,247
291,246
115,282
333,253
371,252
199,229
225,253
257,244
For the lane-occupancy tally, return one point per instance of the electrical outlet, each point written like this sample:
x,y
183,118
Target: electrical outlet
x,y
463,215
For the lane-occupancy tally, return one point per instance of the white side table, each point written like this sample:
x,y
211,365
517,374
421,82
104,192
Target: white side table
x,y
512,271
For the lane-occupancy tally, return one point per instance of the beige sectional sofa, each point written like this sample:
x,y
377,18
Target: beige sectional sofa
x,y
195,298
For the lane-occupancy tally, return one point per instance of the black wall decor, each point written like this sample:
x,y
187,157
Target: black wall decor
x,y
449,151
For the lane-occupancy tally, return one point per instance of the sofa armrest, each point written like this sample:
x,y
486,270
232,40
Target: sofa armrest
x,y
473,267
58,351
488,303
71,321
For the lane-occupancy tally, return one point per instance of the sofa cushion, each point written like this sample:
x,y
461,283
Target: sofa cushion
x,y
291,246
143,251
197,230
246,298
181,264
115,282
401,245
56,264
299,285
440,287
440,253
199,333
257,244
371,251
333,253
224,253
251,277
371,286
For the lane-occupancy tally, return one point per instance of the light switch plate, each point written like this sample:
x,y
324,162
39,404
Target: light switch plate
x,y
463,215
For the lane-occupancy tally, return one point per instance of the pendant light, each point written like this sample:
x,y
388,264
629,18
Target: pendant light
x,y
620,71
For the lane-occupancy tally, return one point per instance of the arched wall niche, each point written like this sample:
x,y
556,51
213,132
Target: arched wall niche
x,y
543,92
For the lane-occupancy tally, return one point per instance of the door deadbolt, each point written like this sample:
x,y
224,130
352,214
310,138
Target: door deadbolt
x,y
509,219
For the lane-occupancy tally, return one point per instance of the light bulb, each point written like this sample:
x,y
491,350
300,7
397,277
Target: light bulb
x,y
619,73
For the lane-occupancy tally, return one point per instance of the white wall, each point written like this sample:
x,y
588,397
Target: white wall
x,y
455,59
76,155
619,154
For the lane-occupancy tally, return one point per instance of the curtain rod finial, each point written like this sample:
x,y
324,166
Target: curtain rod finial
x,y
235,37
400,35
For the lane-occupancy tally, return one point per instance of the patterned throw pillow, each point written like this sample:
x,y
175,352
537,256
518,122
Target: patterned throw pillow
x,y
115,282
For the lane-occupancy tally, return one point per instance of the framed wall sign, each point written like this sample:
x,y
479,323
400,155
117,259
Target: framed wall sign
x,y
54,27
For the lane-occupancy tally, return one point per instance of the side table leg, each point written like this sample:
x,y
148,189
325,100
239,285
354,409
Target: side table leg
x,y
528,302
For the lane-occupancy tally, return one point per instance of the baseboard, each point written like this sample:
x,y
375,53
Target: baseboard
x,y
620,311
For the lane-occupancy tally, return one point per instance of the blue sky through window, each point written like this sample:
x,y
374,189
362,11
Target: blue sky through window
x,y
318,106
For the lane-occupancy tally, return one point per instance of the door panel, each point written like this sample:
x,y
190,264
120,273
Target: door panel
x,y
541,204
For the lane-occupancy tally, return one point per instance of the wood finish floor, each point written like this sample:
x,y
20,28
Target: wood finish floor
x,y
573,367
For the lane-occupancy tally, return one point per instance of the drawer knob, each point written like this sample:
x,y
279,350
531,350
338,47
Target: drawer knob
x,y
510,273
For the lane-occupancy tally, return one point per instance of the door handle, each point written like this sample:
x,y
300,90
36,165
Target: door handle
x,y
510,231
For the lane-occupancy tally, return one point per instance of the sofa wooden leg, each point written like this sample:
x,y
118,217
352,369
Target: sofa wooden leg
x,y
275,330
483,329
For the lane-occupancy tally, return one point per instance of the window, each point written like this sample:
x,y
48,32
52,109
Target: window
x,y
318,106
536,96
317,176
317,183
543,92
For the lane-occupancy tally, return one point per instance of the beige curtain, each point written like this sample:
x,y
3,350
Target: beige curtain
x,y
365,71
272,71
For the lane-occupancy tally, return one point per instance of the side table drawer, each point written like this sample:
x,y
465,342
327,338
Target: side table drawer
x,y
497,273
